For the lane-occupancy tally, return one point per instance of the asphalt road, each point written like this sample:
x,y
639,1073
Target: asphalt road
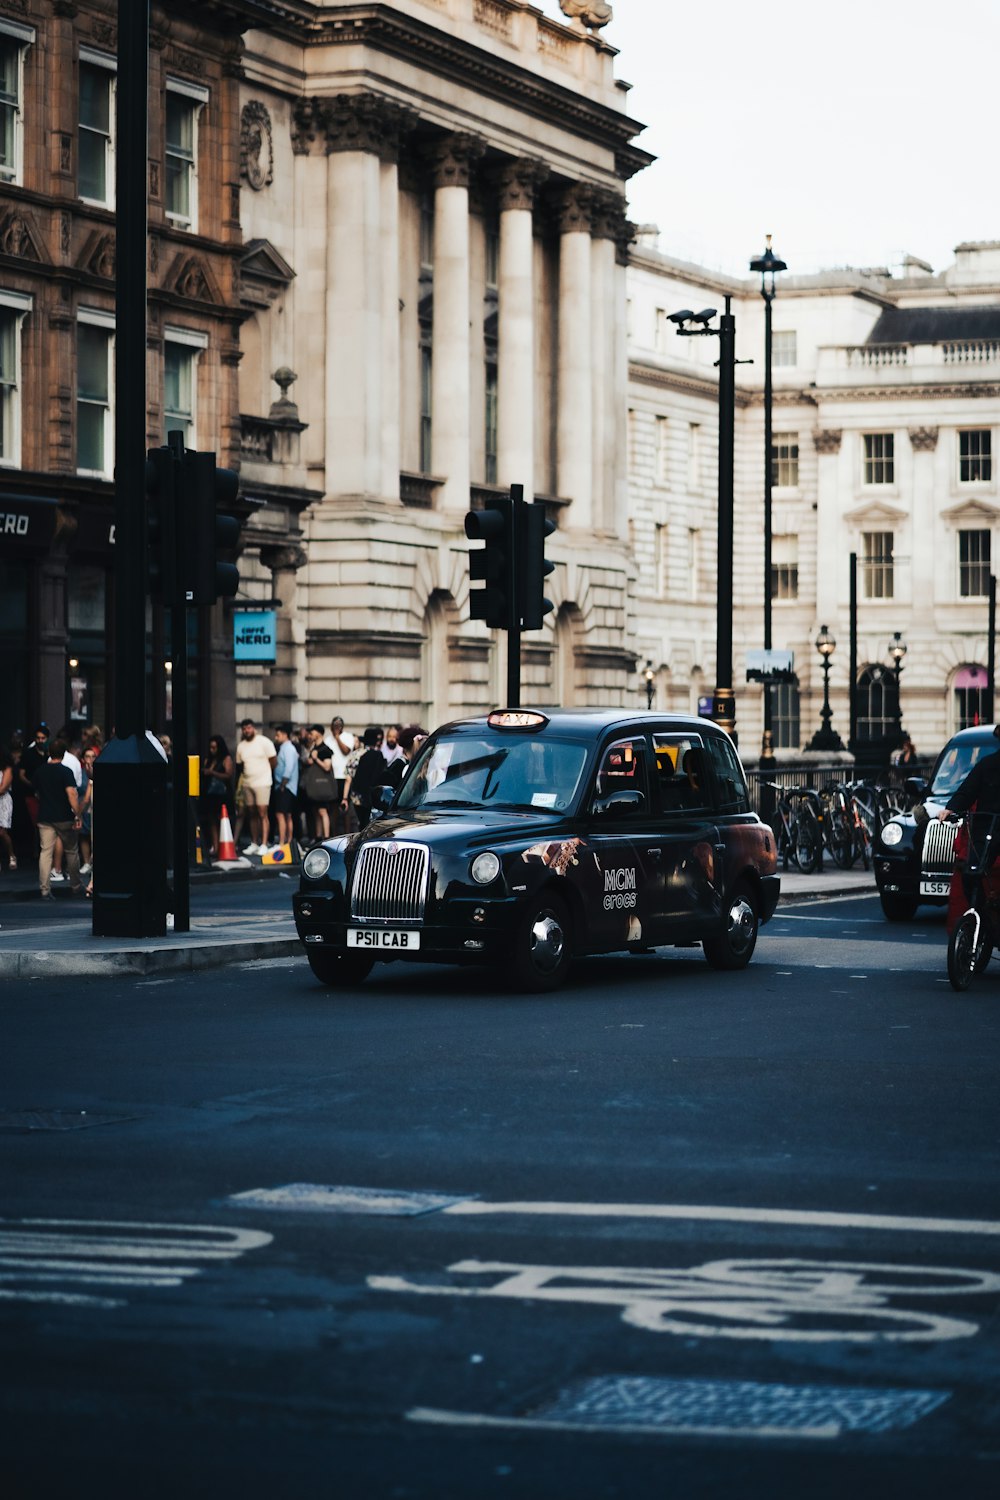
x,y
686,1233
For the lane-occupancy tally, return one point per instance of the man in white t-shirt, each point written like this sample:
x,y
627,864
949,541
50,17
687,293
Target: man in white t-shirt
x,y
341,742
256,758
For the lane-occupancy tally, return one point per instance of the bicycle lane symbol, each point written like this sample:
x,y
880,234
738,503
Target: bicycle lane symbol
x,y
802,1301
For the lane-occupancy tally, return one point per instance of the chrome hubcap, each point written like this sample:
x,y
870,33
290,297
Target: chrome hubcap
x,y
741,925
547,941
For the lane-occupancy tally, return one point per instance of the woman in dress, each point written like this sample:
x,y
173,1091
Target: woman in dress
x,y
216,790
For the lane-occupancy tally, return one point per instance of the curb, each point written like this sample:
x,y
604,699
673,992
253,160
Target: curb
x,y
141,961
787,898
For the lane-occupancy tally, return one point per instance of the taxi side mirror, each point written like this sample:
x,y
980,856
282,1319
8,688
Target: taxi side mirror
x,y
915,787
617,804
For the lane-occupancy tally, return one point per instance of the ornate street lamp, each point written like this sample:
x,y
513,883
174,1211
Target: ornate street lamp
x,y
897,650
650,680
767,264
825,737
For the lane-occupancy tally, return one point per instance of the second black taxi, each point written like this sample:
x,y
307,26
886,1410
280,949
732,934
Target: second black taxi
x,y
523,839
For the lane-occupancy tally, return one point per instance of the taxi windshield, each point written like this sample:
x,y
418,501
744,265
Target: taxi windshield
x,y
494,769
956,763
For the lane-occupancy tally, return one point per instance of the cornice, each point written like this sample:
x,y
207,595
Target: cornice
x,y
421,44
690,385
977,390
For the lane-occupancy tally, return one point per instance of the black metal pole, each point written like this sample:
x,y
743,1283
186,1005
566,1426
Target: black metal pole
x,y
991,651
852,743
724,703
131,715
513,594
179,725
768,443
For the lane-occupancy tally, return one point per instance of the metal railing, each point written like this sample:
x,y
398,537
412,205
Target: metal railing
x,y
815,777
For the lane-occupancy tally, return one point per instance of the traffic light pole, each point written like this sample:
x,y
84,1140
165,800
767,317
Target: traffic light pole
x,y
514,627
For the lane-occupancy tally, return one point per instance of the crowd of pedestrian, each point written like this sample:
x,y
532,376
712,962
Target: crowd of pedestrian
x,y
301,786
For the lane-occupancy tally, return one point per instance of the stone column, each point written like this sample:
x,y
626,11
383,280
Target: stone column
x,y
924,522
355,128
574,452
452,160
307,347
399,121
608,212
281,682
517,183
831,580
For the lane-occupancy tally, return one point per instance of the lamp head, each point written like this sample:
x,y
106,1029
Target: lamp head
x,y
768,263
897,647
826,643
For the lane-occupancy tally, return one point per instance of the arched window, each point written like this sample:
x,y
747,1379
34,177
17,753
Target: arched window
x,y
878,706
969,696
785,714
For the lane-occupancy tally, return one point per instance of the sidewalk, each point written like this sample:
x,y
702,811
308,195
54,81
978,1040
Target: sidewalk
x,y
42,939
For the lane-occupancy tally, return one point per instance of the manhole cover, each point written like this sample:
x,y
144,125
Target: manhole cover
x,y
729,1405
20,1121
314,1197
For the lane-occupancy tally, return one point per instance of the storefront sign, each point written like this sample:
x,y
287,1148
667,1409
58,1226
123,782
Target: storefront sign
x,y
26,521
255,635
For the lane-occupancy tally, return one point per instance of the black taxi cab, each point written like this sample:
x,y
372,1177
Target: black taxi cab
x,y
522,839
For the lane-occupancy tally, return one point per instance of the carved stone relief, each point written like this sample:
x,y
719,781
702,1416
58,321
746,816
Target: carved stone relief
x,y
256,145
452,159
828,440
518,182
592,13
924,439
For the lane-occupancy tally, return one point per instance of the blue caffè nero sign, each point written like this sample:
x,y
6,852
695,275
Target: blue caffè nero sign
x,y
255,634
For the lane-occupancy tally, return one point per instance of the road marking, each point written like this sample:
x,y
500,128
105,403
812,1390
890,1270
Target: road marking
x,y
47,1254
795,1301
440,1418
716,1214
314,1197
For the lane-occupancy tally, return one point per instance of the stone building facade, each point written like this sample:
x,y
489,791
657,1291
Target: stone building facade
x,y
885,421
443,182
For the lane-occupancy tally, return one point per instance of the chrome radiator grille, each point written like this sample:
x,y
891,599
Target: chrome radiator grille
x,y
390,883
939,845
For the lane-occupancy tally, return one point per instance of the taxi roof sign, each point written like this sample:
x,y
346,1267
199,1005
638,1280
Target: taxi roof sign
x,y
515,718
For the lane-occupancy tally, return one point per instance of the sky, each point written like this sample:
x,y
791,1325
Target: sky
x,y
854,133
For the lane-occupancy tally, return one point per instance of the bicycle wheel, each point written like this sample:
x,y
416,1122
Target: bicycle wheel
x,y
962,953
840,834
807,849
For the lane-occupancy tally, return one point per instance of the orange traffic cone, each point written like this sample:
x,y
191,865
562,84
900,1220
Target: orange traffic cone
x,y
227,846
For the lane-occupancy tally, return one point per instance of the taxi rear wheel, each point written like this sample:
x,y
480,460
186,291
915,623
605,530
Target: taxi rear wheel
x,y
543,947
336,970
732,945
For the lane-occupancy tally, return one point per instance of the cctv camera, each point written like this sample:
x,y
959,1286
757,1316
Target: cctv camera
x,y
705,316
680,317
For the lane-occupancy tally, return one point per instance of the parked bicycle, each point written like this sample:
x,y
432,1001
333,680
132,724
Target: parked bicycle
x,y
977,930
798,827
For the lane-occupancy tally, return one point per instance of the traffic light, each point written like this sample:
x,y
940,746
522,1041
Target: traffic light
x,y
534,568
494,564
161,523
205,533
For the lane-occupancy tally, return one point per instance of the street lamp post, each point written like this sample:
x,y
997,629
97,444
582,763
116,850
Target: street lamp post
x,y
650,679
767,264
826,738
724,699
897,650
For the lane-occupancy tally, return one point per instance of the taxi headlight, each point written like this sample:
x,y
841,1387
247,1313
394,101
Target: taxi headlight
x,y
485,867
892,833
316,864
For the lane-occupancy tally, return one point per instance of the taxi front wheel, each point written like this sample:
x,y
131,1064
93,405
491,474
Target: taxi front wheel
x,y
543,947
338,971
732,945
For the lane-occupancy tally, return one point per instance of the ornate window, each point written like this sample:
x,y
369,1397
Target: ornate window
x,y
877,564
975,456
784,567
877,703
973,564
96,128
185,101
784,714
13,308
14,39
879,458
784,350
969,697
181,348
94,356
785,460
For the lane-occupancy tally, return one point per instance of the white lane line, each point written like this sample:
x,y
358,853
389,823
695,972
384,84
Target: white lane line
x,y
712,1213
49,1254
442,1418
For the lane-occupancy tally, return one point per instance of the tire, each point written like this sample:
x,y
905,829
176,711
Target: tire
x,y
338,970
962,954
808,853
732,946
897,908
543,946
